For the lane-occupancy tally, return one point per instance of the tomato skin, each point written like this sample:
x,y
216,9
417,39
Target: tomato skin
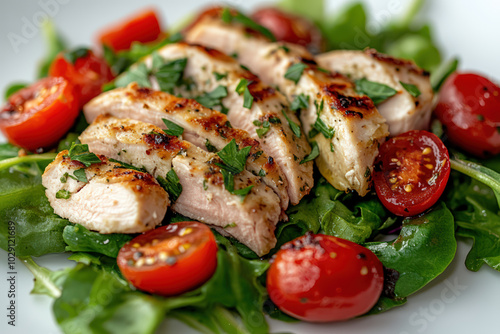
x,y
87,74
181,271
33,123
469,108
322,278
143,27
404,180
290,28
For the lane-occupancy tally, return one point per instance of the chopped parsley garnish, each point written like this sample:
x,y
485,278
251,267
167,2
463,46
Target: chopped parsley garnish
x,y
265,128
127,166
210,147
376,91
300,102
331,148
234,159
274,120
285,48
480,118
228,17
262,173
229,185
73,55
219,76
320,126
169,75
412,89
80,175
247,96
63,194
241,86
172,128
80,152
64,178
367,172
233,224
214,98
139,74
294,126
205,187
314,153
294,72
171,184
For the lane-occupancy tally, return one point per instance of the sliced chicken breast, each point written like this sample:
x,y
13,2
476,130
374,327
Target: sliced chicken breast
x,y
403,111
204,127
251,219
265,120
114,200
346,126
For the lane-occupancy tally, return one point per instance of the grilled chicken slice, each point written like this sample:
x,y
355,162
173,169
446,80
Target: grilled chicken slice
x,y
346,126
403,112
203,127
251,219
207,69
114,200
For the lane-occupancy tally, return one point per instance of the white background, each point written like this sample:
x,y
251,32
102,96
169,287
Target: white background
x,y
459,301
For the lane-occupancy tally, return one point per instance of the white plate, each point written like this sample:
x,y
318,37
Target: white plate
x,y
458,301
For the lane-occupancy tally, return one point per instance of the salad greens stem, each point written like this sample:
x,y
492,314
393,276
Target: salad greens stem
x,y
410,13
28,158
227,321
42,275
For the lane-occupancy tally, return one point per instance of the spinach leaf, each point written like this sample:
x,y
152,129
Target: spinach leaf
x,y
46,282
376,91
8,150
13,88
79,239
423,250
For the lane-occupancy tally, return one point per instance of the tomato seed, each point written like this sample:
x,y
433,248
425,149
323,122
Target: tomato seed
x,y
364,271
408,188
426,151
429,166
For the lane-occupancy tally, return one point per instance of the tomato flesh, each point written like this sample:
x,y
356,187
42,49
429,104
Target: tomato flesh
x,y
170,259
322,278
411,172
88,74
143,27
39,115
290,28
469,108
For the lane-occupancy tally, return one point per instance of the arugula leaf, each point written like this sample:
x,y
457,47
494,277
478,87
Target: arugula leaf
x,y
293,126
210,147
75,54
63,194
170,74
300,102
81,153
412,89
138,74
13,88
79,239
234,159
213,98
228,16
55,43
171,184
294,72
313,155
376,91
172,128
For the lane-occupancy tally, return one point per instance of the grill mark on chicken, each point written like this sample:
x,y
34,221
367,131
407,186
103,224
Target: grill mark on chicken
x,y
408,64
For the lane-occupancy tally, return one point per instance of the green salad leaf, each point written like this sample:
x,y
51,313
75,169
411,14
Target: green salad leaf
x,y
55,44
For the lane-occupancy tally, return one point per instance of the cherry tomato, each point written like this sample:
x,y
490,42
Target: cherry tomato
x,y
322,278
143,27
469,108
170,259
39,115
411,172
290,28
88,73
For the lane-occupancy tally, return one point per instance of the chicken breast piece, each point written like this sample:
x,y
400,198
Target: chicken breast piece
x,y
251,219
114,200
403,112
346,126
204,127
265,120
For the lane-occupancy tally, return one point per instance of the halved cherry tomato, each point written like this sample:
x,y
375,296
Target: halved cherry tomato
x,y
143,27
87,73
411,172
322,278
290,28
469,108
39,115
170,259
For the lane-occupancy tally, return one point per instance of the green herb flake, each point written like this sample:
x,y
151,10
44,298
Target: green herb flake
x,y
284,48
293,126
294,72
301,101
210,147
172,128
138,74
80,175
332,148
274,120
170,74
227,17
313,155
63,194
233,224
367,172
412,89
262,173
64,178
229,185
219,76
80,152
73,55
257,123
320,126
376,91
171,184
480,118
247,99
127,166
234,159
265,128
214,98
205,186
